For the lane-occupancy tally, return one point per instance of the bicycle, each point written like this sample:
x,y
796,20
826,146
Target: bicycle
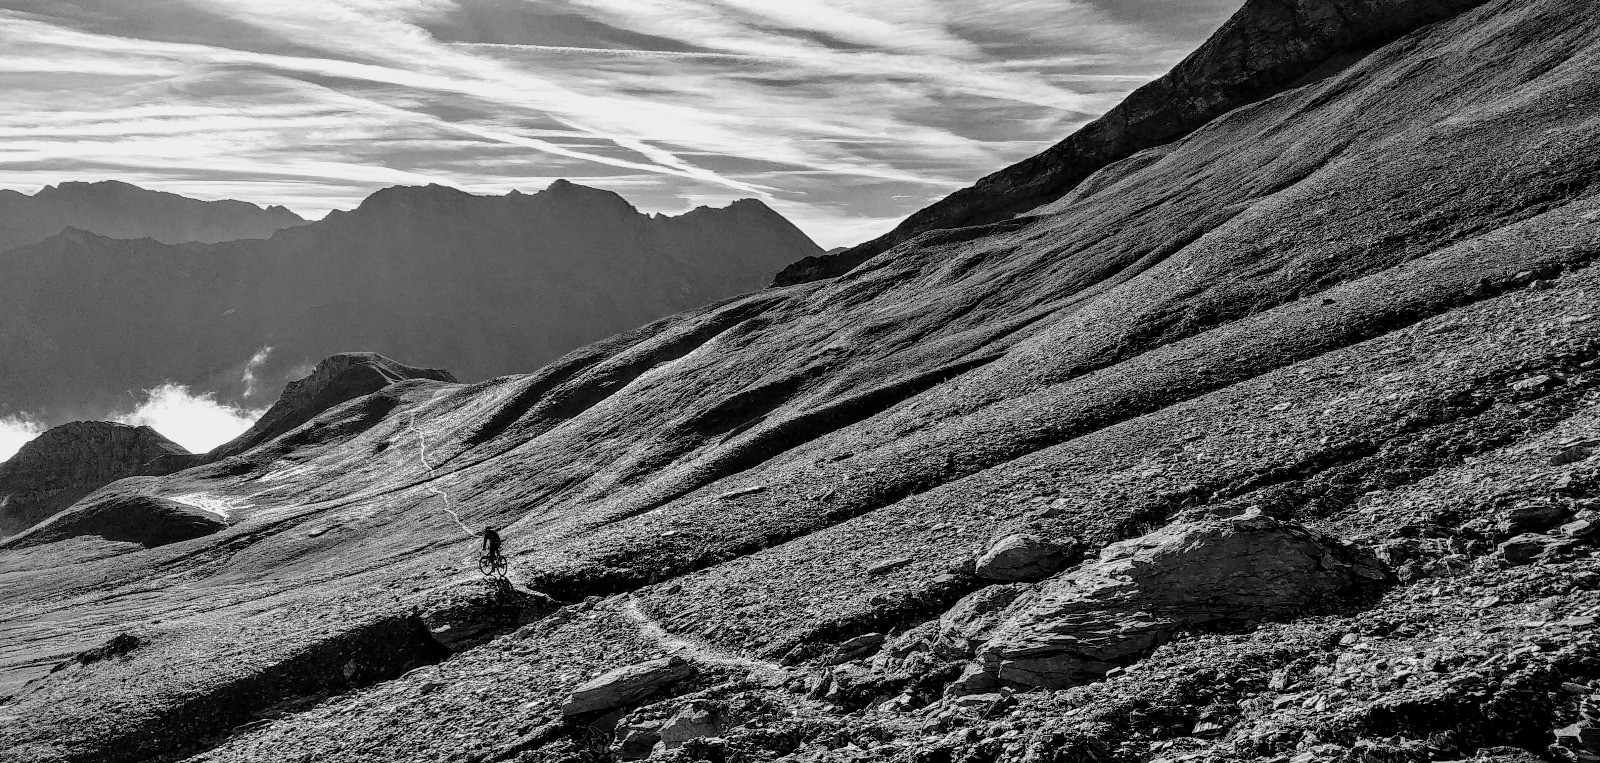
x,y
493,565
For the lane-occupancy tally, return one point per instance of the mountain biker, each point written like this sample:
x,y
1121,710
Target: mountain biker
x,y
491,543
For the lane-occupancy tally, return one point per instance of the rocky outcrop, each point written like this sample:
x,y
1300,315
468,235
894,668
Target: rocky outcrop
x,y
1268,46
481,285
70,461
119,210
626,685
334,380
1138,592
968,625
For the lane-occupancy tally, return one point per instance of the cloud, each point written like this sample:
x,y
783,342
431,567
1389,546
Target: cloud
x,y
804,103
15,431
248,378
197,422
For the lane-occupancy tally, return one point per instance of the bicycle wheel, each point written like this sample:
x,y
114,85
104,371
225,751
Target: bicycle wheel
x,y
487,565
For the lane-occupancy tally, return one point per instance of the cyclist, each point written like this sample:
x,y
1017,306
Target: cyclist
x,y
491,543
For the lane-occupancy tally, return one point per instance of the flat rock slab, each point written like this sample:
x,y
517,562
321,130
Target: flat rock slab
x,y
626,686
1114,610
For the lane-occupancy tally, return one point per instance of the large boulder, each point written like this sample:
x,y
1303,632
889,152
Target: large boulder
x,y
626,686
1110,612
1024,558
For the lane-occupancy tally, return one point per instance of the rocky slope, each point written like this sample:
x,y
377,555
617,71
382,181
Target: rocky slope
x,y
335,380
119,210
68,462
1279,442
480,285
1269,46
71,461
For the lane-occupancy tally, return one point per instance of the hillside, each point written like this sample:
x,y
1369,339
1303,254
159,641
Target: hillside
x,y
1276,442
482,285
118,210
66,463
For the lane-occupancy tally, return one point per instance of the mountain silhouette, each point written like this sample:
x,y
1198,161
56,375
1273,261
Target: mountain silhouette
x,y
119,210
482,285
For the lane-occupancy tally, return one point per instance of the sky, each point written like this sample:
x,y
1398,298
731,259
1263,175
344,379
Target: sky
x,y
844,115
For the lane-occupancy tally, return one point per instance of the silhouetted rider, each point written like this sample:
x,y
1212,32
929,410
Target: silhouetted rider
x,y
491,543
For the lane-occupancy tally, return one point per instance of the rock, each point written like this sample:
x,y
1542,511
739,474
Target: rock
x,y
1530,517
626,686
1572,454
1526,547
985,705
966,626
636,741
695,720
1397,552
465,614
1585,525
1583,735
1533,383
1024,558
975,679
1119,607
888,565
856,648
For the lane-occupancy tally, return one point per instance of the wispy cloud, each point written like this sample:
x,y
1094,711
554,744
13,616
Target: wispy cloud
x,y
843,114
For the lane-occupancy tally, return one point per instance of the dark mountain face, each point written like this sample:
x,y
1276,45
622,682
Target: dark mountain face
x,y
482,285
1278,440
119,210
68,462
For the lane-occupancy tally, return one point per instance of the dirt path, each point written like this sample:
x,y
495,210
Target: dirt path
x,y
769,672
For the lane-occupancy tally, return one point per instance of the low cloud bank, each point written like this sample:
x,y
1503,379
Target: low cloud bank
x,y
197,422
16,431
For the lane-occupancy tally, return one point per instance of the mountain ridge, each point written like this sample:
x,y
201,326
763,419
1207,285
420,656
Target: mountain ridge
x,y
543,272
1329,36
125,211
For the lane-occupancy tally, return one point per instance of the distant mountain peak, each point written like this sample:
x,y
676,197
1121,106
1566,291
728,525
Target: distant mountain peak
x,y
121,210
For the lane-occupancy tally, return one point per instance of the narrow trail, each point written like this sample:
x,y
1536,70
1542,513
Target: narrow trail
x,y
768,671
422,456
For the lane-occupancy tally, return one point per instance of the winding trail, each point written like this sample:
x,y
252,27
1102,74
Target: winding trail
x,y
701,651
422,456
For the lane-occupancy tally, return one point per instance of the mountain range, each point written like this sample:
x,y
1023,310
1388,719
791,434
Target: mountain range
x,y
1269,435
483,285
119,210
